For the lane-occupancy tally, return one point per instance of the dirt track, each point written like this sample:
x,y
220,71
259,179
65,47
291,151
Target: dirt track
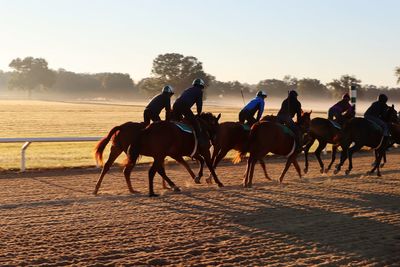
x,y
51,218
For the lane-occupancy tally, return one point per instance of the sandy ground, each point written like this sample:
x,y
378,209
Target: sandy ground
x,y
51,218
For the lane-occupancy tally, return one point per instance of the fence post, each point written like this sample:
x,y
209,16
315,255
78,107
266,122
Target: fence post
x,y
353,95
24,147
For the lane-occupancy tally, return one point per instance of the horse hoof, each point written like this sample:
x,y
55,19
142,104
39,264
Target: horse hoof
x,y
197,180
322,170
305,170
208,181
379,175
383,164
336,171
177,189
347,172
220,185
153,195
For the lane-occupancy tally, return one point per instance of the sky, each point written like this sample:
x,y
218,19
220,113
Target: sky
x,y
244,40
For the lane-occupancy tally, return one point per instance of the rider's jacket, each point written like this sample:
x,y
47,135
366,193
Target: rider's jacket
x,y
377,109
160,101
290,106
256,104
341,106
191,96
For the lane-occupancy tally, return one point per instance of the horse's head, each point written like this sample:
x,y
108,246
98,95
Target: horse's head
x,y
209,123
391,115
304,121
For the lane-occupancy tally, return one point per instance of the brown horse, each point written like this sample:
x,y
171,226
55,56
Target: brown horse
x,y
230,135
162,139
271,137
122,137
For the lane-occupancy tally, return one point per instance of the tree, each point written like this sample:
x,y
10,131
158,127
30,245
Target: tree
x,y
30,73
341,86
312,88
397,73
178,71
274,87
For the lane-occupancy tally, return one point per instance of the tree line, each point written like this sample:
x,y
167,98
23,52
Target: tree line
x,y
33,74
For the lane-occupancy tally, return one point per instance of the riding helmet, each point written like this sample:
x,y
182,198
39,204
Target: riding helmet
x,y
382,98
168,89
199,82
346,95
262,94
293,93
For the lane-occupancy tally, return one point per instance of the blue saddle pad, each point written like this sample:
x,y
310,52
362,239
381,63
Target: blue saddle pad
x,y
376,126
335,124
246,127
184,127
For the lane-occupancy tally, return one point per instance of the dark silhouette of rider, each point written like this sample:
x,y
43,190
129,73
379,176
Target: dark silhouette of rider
x,y
377,111
158,103
246,115
343,106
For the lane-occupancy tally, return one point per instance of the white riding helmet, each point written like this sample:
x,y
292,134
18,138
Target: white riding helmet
x,y
198,81
262,93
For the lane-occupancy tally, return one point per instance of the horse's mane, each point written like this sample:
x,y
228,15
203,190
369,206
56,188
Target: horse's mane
x,y
207,116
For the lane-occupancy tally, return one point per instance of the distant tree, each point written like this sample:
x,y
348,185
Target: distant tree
x,y
76,83
230,89
4,77
30,73
397,73
178,71
150,86
274,87
116,82
312,88
342,85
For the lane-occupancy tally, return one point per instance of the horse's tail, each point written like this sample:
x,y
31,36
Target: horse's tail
x,y
101,145
246,146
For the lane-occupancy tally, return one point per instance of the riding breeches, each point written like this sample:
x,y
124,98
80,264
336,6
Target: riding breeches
x,y
149,115
245,116
380,122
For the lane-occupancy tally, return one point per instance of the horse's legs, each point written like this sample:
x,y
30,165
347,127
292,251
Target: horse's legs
x,y
251,172
321,146
246,174
353,149
343,157
200,173
206,154
297,167
221,154
127,173
287,165
334,151
262,163
161,171
114,153
306,149
184,163
152,172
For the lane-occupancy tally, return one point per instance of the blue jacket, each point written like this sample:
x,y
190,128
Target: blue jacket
x,y
191,96
256,104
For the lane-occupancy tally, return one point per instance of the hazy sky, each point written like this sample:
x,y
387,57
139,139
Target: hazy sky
x,y
245,40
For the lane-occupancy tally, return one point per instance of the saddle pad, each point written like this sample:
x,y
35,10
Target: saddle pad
x,y
246,127
335,124
376,126
184,127
287,130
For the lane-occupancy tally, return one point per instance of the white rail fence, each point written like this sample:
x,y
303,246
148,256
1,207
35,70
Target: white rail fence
x,y
29,140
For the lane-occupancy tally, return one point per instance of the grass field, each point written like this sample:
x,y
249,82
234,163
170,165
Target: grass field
x,y
68,119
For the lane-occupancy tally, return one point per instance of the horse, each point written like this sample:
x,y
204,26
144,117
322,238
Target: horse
x,y
272,137
164,138
230,135
122,137
363,132
326,132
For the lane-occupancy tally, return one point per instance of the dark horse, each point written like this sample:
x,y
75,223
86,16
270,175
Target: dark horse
x,y
325,132
122,137
164,138
363,132
271,137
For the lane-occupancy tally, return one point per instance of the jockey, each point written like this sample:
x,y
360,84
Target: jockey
x,y
183,104
337,110
255,105
291,107
377,111
157,103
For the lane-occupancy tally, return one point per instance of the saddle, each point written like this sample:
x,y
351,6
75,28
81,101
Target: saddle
x,y
188,129
287,130
246,127
184,127
336,125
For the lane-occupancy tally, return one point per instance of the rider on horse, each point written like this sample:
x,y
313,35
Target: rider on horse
x,y
291,107
336,111
255,105
158,103
376,113
182,106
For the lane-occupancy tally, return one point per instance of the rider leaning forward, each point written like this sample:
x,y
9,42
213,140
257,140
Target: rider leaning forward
x,y
158,103
246,115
